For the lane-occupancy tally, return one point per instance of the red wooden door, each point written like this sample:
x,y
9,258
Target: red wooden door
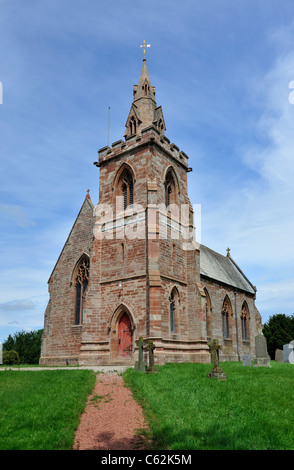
x,y
125,342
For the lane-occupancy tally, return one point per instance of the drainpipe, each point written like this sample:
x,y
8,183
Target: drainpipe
x,y
236,318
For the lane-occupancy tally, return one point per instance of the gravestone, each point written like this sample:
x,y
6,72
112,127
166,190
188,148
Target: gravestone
x,y
247,360
279,355
150,348
140,364
216,371
262,358
288,351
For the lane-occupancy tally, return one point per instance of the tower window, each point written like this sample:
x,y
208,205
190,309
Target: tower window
x,y
170,189
126,189
133,125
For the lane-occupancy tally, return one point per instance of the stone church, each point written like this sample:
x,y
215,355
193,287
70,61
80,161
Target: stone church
x,y
132,267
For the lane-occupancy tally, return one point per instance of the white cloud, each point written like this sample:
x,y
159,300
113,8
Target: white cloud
x,y
17,214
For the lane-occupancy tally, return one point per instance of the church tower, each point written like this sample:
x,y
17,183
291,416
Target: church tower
x,y
130,266
144,264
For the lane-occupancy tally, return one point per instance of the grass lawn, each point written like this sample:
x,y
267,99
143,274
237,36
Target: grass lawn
x,y
40,410
252,410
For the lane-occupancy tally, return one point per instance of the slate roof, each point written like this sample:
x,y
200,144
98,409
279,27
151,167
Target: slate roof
x,y
224,269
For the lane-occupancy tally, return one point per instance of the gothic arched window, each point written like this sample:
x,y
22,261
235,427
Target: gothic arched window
x,y
173,310
133,125
170,189
208,310
245,321
226,317
81,284
126,187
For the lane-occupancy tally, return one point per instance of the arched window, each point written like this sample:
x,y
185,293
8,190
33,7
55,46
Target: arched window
x,y
170,189
226,317
208,310
245,321
133,125
125,188
81,284
173,310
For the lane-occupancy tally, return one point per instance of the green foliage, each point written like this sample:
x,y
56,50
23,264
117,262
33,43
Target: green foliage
x,y
279,330
10,358
26,344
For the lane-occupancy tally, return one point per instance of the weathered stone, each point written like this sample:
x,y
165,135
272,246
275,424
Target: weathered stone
x,y
288,352
150,348
279,355
140,365
262,358
216,372
247,360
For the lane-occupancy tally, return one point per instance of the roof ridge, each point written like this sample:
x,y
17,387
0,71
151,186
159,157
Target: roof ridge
x,y
241,272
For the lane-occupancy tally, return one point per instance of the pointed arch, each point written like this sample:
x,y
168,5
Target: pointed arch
x,y
245,317
208,313
116,315
81,280
226,317
171,186
124,187
121,328
174,306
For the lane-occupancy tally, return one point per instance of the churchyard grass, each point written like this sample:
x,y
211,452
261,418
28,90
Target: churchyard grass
x,y
252,410
40,410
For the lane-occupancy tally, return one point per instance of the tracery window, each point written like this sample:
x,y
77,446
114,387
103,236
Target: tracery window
x,y
226,317
127,189
245,322
81,284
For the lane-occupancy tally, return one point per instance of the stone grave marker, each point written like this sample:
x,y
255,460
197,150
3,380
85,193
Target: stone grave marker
x,y
150,348
279,355
247,360
262,358
216,371
288,351
140,364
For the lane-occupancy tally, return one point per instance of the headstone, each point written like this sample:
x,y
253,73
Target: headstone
x,y
288,350
247,360
279,355
262,358
150,348
216,371
140,364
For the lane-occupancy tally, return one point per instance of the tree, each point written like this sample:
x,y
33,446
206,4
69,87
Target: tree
x,y
26,344
279,330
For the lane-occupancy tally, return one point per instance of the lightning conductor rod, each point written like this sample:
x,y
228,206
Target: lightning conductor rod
x,y
108,126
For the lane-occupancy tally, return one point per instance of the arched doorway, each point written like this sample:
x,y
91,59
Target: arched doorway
x,y
125,336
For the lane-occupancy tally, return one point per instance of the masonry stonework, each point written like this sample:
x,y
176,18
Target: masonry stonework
x,y
131,267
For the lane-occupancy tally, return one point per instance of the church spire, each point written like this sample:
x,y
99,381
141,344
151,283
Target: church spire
x,y
144,111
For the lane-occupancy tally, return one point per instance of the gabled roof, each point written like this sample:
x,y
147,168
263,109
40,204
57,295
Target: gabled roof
x,y
223,269
87,201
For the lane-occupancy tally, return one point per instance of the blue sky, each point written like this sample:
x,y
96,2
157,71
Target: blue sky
x,y
222,70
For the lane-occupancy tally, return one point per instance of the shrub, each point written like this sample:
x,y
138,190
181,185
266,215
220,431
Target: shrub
x,y
10,357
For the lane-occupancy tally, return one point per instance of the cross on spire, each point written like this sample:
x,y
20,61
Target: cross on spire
x,y
144,45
